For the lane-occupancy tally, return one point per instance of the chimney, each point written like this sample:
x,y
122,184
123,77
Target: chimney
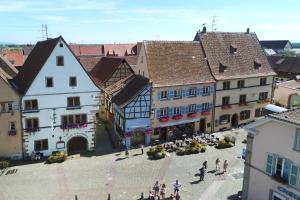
x,y
248,31
204,29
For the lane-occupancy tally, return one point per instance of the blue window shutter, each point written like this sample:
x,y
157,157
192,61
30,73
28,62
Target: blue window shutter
x,y
286,169
170,112
183,93
158,95
182,109
198,91
211,89
298,140
187,92
210,106
198,108
269,164
187,110
294,175
158,113
170,94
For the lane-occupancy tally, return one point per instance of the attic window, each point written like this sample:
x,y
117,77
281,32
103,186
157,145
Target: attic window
x,y
257,64
61,44
233,49
222,68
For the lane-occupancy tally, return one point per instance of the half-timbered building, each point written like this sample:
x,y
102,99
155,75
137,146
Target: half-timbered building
x,y
106,72
131,99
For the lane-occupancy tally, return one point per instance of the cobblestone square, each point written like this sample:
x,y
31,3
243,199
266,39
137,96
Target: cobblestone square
x,y
93,177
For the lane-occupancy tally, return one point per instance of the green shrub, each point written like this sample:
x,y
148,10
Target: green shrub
x,y
57,156
4,164
157,152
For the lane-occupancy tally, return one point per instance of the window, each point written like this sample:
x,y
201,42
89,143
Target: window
x,y
12,126
225,101
32,123
9,107
241,83
224,119
73,81
297,146
59,61
226,85
192,108
164,112
164,94
242,99
277,196
192,92
177,94
233,49
49,82
245,115
205,91
257,65
263,81
31,104
205,106
3,107
177,111
258,112
263,95
73,119
73,102
40,145
222,68
61,44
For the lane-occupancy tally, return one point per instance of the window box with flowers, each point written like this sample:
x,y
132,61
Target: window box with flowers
x,y
12,132
226,106
192,115
164,119
243,104
32,130
177,117
206,112
73,126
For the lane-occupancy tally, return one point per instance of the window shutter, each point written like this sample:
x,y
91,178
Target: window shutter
x,y
201,91
183,93
182,110
16,106
210,106
293,180
158,95
170,111
269,165
170,94
198,108
158,113
187,92
198,91
211,89
187,109
298,140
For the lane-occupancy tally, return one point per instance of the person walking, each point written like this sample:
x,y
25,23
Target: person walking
x,y
156,189
142,148
205,164
218,164
177,186
163,191
127,152
177,196
225,166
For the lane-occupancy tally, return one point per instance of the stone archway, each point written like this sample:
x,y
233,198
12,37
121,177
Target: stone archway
x,y
77,144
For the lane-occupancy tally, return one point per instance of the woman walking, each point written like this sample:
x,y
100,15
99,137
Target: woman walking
x,y
225,166
156,188
163,191
218,164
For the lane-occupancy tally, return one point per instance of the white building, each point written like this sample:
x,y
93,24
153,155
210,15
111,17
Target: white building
x,y
59,100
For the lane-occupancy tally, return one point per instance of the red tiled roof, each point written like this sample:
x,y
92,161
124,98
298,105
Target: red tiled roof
x,y
14,56
105,68
132,60
87,50
89,62
119,49
7,67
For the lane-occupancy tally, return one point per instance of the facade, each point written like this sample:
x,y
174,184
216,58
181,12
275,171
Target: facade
x,y
59,100
182,87
106,72
287,94
272,166
131,99
10,119
244,77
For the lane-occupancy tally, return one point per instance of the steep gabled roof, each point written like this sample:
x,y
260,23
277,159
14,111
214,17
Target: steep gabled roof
x,y
176,63
131,89
7,67
119,49
105,68
89,62
282,64
274,44
246,60
34,63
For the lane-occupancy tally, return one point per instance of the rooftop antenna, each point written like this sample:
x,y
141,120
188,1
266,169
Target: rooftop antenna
x,y
214,23
45,32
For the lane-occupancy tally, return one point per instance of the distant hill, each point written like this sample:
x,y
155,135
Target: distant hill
x,y
296,45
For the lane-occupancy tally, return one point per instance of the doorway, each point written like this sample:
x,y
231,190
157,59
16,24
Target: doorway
x,y
163,133
234,121
202,127
77,145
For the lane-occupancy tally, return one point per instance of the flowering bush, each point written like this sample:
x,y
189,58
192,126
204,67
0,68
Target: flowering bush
x,y
57,156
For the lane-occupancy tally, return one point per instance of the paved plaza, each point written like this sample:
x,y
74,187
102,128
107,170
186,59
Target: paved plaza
x,y
93,177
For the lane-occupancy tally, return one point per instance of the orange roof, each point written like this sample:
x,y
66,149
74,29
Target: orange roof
x,y
120,49
15,56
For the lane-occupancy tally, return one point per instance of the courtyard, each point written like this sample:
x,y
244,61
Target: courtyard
x,y
93,177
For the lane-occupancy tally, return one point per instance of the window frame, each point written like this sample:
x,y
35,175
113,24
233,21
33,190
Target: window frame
x,y
245,114
164,95
222,120
226,85
206,90
164,112
43,147
47,83
243,100
74,105
12,124
192,108
205,106
70,81
32,123
263,81
177,111
192,92
240,84
223,100
30,101
60,61
177,94
297,143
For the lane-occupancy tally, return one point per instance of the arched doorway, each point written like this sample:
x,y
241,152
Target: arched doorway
x,y
234,120
77,144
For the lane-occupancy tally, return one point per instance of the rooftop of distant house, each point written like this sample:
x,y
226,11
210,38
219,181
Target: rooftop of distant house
x,y
292,84
274,44
283,64
290,116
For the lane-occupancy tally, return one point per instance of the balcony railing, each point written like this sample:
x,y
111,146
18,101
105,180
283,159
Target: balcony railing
x,y
73,126
12,132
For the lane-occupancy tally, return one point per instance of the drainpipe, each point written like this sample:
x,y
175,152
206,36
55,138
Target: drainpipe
x,y
213,109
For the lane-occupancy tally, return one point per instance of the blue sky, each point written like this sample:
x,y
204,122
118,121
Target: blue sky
x,y
123,21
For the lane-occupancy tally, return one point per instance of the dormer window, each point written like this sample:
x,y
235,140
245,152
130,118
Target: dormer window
x,y
61,44
233,49
222,68
257,64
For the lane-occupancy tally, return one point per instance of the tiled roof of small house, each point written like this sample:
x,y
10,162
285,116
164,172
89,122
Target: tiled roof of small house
x,y
117,86
176,63
290,116
274,44
282,64
89,62
131,89
7,67
119,49
234,55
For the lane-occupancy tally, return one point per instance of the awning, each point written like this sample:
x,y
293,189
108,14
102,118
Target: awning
x,y
274,108
179,122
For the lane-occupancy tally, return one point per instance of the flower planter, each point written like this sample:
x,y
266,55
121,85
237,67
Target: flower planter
x,y
12,132
243,104
31,130
164,119
177,117
192,115
73,126
267,100
205,112
226,106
